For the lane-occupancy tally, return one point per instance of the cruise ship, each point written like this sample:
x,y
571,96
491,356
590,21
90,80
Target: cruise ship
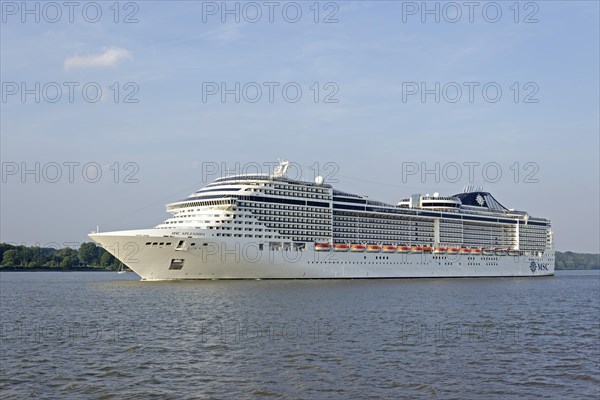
x,y
269,226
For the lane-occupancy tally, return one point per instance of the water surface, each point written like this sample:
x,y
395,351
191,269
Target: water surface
x,y
103,335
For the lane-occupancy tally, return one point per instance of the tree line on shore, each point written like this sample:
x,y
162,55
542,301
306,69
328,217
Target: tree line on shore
x,y
93,257
570,260
87,256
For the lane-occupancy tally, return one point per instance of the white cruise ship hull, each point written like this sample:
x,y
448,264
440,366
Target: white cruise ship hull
x,y
159,257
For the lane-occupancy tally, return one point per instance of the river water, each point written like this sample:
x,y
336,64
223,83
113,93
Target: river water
x,y
103,335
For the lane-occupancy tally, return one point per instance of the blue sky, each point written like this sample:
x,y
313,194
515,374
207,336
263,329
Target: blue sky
x,y
368,61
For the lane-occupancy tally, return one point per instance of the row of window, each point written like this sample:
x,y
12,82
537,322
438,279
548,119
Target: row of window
x,y
377,219
203,203
227,228
257,205
307,231
302,188
244,235
376,228
297,194
383,238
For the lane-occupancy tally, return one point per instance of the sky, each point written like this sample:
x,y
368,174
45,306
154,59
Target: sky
x,y
111,110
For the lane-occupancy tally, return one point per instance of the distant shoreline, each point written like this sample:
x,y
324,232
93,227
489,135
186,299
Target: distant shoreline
x,y
55,270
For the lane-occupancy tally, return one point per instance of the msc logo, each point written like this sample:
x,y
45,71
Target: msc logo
x,y
533,266
538,266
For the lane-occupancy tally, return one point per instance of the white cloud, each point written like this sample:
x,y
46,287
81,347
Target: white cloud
x,y
108,58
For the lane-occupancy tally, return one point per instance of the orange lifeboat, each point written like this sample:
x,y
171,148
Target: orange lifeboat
x,y
389,249
403,249
439,250
322,246
373,248
416,249
464,250
452,250
476,251
340,247
357,248
426,249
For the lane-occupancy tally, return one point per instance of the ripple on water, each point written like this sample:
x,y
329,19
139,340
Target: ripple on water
x,y
344,339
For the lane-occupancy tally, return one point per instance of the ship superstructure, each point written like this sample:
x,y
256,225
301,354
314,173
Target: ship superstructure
x,y
261,226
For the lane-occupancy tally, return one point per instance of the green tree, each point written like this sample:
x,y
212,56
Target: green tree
x,y
570,260
106,259
5,247
88,254
10,258
65,263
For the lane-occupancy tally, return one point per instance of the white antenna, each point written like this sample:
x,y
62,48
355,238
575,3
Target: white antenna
x,y
97,228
